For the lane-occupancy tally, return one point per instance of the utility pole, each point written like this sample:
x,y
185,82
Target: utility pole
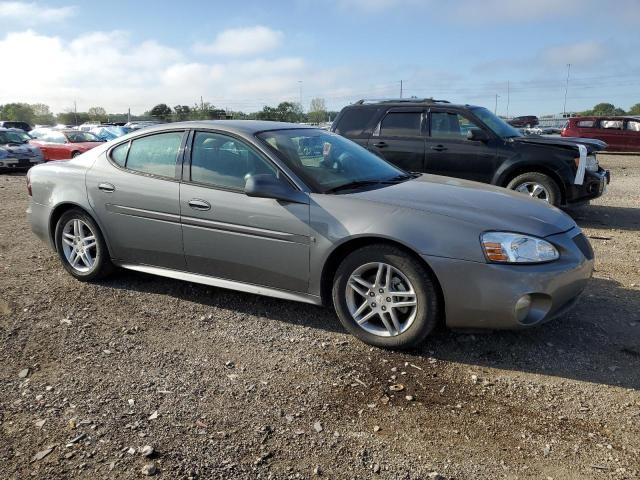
x,y
508,98
75,113
495,110
566,89
300,93
128,114
400,88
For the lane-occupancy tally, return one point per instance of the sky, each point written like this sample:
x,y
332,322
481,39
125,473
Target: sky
x,y
245,54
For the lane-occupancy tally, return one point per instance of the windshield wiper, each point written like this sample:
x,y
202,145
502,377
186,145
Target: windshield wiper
x,y
354,184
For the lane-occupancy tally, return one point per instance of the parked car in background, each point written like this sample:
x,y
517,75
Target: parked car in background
x,y
246,205
63,144
11,124
141,124
621,134
109,132
526,121
86,126
466,141
16,152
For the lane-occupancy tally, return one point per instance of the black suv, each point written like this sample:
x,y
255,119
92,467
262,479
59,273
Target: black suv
x,y
465,141
11,124
527,121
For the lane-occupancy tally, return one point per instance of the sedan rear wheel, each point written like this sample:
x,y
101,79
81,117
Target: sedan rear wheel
x,y
81,246
385,297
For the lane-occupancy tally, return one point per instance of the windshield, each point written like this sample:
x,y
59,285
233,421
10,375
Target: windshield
x,y
327,161
10,137
496,124
81,137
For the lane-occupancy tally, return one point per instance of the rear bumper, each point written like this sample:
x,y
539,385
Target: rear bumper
x,y
39,216
483,295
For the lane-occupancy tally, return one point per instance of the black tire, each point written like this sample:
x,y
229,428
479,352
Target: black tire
x,y
428,303
102,265
75,154
552,189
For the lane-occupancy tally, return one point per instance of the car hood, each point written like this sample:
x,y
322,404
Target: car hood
x,y
489,207
592,144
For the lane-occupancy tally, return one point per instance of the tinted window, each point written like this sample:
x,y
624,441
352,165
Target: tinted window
x,y
401,124
585,124
450,125
155,154
613,124
353,121
119,154
225,162
633,125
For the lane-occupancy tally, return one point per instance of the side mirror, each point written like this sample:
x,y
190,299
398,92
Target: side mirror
x,y
269,186
478,135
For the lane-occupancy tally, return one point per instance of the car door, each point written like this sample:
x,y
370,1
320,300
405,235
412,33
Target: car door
x,y
632,135
450,153
399,138
230,235
134,190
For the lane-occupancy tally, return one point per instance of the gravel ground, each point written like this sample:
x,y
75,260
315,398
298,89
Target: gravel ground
x,y
229,385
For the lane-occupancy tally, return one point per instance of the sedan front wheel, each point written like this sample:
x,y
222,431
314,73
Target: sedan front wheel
x,y
385,297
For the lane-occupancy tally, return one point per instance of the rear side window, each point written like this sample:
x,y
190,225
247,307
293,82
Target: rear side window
x,y
354,120
611,124
633,125
155,154
401,124
584,124
119,154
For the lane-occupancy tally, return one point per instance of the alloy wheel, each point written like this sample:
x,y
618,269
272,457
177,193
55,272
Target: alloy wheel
x,y
381,299
533,189
79,245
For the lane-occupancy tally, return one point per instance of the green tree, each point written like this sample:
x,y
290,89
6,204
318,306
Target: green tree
x,y
161,111
72,118
635,109
183,112
604,109
97,114
284,112
317,110
18,112
42,115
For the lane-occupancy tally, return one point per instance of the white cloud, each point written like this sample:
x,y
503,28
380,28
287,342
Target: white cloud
x,y
581,53
109,69
242,41
31,13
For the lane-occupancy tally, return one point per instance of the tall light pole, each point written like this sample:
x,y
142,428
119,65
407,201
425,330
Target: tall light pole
x,y
508,98
495,109
300,92
400,88
566,89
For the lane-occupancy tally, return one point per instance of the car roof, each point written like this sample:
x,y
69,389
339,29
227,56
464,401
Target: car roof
x,y
606,117
406,102
247,127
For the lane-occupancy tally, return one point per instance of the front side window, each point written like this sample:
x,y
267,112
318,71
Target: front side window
x,y
155,154
495,123
328,162
223,161
401,124
450,125
585,124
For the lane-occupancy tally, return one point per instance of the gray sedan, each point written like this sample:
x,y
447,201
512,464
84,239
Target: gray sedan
x,y
302,214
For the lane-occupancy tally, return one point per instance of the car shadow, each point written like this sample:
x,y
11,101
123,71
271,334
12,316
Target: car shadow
x,y
606,217
587,344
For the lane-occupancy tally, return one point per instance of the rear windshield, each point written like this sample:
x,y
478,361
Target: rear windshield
x,y
354,120
81,137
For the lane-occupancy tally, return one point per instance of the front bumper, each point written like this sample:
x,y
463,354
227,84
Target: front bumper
x,y
13,163
486,295
593,186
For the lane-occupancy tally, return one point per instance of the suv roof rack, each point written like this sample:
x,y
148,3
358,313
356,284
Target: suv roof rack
x,y
368,101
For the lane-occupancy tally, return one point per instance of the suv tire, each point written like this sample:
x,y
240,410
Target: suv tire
x,y
537,185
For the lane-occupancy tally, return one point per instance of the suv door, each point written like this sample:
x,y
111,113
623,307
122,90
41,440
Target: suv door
x,y
399,138
610,131
449,153
230,235
135,195
632,135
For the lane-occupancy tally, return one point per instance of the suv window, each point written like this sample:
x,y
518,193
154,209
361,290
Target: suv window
x,y
584,123
611,124
633,125
401,124
223,161
450,125
353,121
155,154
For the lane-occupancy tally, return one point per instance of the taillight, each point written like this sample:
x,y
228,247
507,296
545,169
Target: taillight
x,y
29,183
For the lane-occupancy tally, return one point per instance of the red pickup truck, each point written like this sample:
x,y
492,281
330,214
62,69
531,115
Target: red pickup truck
x,y
621,134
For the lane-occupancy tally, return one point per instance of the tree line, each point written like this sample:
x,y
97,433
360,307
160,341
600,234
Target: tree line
x,y
40,114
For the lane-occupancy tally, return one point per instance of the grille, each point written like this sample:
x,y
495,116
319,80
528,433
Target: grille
x,y
583,244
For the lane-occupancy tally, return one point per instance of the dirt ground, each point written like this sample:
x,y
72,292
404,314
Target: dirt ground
x,y
229,385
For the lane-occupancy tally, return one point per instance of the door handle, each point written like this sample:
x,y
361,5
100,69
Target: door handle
x,y
106,187
380,144
439,148
198,204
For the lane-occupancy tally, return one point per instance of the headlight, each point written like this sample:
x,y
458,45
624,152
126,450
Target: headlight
x,y
505,247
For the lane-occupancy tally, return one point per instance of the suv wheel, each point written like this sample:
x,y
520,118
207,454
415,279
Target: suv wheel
x,y
384,297
81,247
536,185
